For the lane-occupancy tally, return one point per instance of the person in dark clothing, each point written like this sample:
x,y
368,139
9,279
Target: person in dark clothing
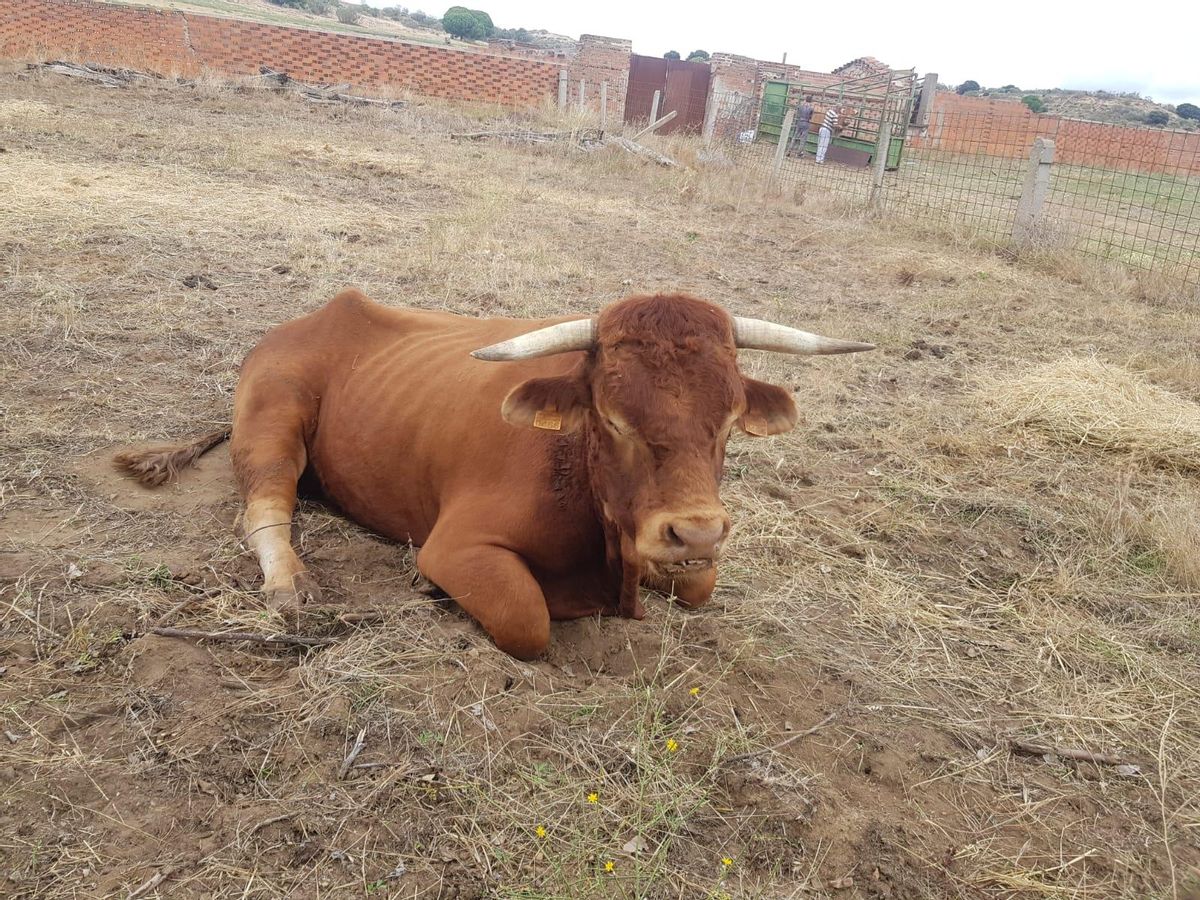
x,y
804,114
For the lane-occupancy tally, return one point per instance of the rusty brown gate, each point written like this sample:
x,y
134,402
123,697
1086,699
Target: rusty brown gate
x,y
683,87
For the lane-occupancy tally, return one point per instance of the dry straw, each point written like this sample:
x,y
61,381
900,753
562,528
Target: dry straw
x,y
1086,401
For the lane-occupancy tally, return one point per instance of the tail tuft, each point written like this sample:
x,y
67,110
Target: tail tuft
x,y
156,465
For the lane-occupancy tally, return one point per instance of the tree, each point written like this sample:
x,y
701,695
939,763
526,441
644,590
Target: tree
x,y
698,56
968,86
671,54
346,14
1034,102
485,21
1157,117
461,22
1188,111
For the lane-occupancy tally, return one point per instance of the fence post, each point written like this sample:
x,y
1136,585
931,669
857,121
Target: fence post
x,y
925,102
562,90
1033,194
654,107
582,93
710,117
785,138
603,105
883,144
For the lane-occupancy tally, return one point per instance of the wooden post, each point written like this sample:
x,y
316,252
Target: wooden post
x,y
654,106
562,90
785,138
1034,191
603,105
654,126
879,162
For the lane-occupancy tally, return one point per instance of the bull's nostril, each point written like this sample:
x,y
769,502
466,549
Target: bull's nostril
x,y
673,536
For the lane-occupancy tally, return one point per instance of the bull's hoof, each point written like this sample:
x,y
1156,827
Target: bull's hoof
x,y
635,610
289,601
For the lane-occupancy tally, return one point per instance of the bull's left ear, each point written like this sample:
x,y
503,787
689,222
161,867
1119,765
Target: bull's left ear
x,y
552,404
769,409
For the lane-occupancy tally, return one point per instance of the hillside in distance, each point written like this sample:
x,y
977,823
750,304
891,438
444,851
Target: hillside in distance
x,y
1097,106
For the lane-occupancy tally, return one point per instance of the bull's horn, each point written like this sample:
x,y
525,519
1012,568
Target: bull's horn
x,y
759,334
561,338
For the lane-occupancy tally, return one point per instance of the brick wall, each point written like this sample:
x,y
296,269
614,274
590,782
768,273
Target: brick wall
x,y
601,59
175,43
1005,128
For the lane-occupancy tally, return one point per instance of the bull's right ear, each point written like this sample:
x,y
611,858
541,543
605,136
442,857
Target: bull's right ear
x,y
552,404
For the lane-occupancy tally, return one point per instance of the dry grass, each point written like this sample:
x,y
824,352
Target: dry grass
x,y
937,583
1086,401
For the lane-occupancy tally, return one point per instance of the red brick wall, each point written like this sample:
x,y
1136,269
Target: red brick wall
x,y
601,59
1006,128
169,43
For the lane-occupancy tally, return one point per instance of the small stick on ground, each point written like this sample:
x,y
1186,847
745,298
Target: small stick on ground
x,y
795,737
353,754
295,640
271,821
149,884
1032,749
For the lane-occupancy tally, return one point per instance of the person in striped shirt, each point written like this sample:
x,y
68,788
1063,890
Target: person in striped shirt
x,y
829,127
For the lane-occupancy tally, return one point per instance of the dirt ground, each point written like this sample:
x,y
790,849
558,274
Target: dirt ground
x,y
920,592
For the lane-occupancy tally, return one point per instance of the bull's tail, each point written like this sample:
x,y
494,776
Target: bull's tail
x,y
155,465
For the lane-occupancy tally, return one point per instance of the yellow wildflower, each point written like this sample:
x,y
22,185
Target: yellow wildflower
x,y
672,745
540,831
695,692
609,866
593,797
726,862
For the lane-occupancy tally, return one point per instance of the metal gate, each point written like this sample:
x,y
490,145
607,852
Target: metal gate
x,y
682,87
871,100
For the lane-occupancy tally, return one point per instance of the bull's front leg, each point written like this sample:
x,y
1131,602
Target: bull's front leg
x,y
494,585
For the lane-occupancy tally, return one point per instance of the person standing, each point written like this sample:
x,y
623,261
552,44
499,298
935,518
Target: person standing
x,y
829,127
804,114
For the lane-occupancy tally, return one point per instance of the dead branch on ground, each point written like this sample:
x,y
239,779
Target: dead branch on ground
x,y
294,640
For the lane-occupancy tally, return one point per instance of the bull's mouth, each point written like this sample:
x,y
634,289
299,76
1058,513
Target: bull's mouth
x,y
683,566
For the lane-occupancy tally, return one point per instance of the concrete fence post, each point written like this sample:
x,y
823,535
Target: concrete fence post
x,y
582,94
654,107
603,105
785,138
562,90
710,116
925,101
1034,191
883,144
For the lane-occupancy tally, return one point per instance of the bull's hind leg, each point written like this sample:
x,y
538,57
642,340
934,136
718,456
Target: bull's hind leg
x,y
271,417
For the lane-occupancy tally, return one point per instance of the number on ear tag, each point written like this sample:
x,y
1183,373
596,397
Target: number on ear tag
x,y
548,419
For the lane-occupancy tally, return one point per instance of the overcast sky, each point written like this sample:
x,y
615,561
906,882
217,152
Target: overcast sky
x,y
1149,47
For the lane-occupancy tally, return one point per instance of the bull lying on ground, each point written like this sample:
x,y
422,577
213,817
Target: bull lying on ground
x,y
602,477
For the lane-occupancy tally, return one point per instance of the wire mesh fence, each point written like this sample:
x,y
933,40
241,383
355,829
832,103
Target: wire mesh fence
x,y
1123,194
745,130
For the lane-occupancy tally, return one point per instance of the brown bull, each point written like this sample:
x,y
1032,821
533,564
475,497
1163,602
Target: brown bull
x,y
604,478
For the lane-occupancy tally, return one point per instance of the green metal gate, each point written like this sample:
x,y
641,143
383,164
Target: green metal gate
x,y
873,99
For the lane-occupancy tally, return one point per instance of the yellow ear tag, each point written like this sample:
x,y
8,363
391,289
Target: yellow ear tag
x,y
548,419
754,426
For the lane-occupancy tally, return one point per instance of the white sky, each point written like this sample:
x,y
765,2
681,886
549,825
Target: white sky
x,y
1149,47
